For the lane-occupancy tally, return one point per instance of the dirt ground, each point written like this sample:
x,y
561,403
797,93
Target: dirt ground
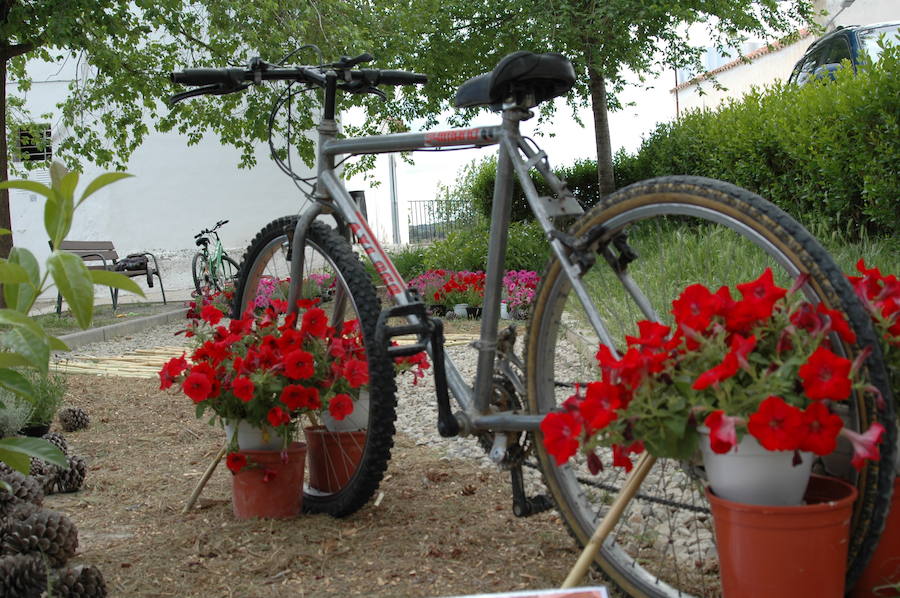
x,y
443,528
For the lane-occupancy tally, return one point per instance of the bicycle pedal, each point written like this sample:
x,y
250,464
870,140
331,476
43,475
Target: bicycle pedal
x,y
523,505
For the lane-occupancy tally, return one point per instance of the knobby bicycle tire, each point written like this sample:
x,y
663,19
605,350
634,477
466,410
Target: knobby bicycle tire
x,y
201,274
637,557
229,273
266,261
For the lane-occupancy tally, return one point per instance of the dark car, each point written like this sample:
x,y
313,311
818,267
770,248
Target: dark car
x,y
852,43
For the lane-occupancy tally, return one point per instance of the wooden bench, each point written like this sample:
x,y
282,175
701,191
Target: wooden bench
x,y
101,255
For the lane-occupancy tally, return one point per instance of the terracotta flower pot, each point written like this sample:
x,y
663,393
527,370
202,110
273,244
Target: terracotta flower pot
x,y
881,577
333,457
785,552
270,486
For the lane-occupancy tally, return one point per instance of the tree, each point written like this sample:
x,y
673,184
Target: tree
x,y
457,39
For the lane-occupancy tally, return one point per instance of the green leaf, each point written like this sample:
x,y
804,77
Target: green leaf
x,y
9,359
12,273
58,218
66,187
100,182
15,319
56,344
32,346
14,451
116,280
20,297
58,172
73,279
15,382
5,231
27,186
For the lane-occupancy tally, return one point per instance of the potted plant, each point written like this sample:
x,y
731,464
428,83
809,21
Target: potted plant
x,y
463,290
259,375
739,380
428,285
880,295
48,390
519,287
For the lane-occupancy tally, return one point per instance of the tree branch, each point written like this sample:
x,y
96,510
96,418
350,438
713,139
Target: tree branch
x,y
7,51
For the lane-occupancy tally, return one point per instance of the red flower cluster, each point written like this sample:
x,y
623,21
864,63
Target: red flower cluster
x,y
761,362
880,294
266,370
462,287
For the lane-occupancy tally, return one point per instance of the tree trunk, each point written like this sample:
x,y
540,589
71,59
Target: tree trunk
x,y
6,241
605,174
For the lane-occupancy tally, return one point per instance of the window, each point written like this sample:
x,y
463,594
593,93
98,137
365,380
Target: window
x,y
34,143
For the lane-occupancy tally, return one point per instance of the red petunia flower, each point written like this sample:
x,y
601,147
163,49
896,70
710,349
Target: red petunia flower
x,y
561,430
762,289
315,322
838,323
299,365
600,403
821,429
776,425
652,335
826,376
243,388
340,406
620,454
722,433
295,396
278,417
211,314
171,370
356,371
198,387
695,307
236,462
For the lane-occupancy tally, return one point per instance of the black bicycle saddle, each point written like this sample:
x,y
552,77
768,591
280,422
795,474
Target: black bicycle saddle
x,y
546,76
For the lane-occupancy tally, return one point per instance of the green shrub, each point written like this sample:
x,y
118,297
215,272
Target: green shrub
x,y
826,153
409,260
48,395
527,249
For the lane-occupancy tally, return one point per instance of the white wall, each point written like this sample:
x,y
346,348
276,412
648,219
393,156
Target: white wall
x,y
176,191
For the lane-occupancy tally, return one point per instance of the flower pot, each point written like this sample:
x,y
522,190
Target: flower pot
x,y
333,457
251,438
785,552
473,312
881,577
504,311
460,309
357,420
271,485
753,475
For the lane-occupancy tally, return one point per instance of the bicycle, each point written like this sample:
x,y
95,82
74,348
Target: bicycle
x,y
212,271
604,272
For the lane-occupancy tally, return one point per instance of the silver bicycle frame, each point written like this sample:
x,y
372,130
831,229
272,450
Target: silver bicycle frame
x,y
516,157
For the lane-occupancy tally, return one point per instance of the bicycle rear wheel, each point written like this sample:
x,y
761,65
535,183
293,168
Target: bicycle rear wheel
x,y
716,234
227,276
335,275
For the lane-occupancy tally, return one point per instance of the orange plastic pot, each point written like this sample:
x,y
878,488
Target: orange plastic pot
x,y
270,486
785,552
333,457
881,577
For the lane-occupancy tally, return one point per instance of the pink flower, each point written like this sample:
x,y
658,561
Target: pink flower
x,y
865,446
722,433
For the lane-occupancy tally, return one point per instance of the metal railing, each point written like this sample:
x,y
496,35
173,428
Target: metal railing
x,y
431,220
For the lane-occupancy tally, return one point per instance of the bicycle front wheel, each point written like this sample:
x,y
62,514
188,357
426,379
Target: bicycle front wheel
x,y
678,231
361,444
202,275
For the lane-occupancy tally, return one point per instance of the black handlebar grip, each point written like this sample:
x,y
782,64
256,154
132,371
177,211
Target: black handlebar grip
x,y
227,76
401,78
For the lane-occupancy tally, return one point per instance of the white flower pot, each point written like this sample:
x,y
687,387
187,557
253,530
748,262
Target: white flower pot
x,y
460,309
753,475
504,311
251,438
357,420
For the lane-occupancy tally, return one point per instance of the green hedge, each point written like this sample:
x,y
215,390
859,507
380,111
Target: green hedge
x,y
467,250
827,153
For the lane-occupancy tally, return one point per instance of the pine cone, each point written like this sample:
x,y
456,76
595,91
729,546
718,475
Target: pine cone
x,y
24,489
78,582
73,418
71,479
22,511
59,440
22,576
47,532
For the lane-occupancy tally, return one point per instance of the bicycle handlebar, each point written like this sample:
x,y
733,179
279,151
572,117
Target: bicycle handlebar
x,y
218,81
209,231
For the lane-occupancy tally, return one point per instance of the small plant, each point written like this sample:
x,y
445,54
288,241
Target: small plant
x,y
15,414
429,284
462,287
48,394
519,287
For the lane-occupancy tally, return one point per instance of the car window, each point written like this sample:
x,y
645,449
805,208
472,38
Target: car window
x,y
835,51
804,69
868,39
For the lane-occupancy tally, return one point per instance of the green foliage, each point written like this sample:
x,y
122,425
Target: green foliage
x,y
46,396
527,249
23,343
826,153
409,260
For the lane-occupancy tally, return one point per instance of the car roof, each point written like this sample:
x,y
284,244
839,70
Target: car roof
x,y
840,29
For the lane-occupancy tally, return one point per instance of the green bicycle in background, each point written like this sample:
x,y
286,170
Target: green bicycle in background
x,y
213,270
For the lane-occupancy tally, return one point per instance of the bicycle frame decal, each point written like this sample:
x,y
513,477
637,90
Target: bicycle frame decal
x,y
385,268
474,136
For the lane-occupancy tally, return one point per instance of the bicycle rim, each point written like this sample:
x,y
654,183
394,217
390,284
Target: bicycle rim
x,y
347,457
722,235
226,274
201,274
